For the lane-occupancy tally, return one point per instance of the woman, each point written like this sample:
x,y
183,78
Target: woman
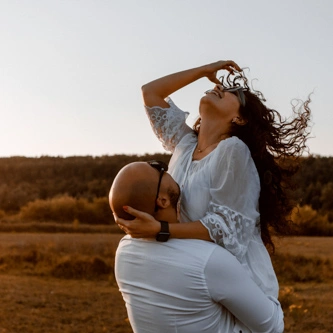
x,y
231,167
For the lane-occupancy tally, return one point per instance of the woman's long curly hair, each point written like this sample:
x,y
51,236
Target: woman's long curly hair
x,y
275,144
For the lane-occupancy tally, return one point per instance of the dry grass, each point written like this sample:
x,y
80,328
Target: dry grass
x,y
32,304
307,307
64,283
304,268
60,283
307,246
79,256
15,225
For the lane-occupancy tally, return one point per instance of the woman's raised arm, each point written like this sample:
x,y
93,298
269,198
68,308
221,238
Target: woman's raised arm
x,y
156,91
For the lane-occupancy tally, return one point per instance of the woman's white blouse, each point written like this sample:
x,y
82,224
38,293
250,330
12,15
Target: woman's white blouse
x,y
221,190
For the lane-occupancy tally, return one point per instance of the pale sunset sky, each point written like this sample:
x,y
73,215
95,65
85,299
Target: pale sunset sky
x,y
71,70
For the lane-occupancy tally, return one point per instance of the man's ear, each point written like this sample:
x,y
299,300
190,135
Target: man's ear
x,y
163,201
239,121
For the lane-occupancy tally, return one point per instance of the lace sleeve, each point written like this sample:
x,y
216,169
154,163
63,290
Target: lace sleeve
x,y
229,229
234,197
168,124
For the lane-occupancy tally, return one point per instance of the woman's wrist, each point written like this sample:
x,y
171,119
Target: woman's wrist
x,y
156,228
200,72
205,70
193,230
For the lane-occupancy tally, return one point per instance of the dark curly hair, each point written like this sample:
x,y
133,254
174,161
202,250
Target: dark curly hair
x,y
275,143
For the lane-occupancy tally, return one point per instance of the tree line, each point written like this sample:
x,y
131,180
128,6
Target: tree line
x,y
64,189
61,189
315,184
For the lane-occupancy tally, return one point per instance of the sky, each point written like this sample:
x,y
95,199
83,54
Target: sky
x,y
71,71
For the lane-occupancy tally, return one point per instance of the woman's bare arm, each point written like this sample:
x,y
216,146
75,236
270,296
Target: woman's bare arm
x,y
156,91
146,226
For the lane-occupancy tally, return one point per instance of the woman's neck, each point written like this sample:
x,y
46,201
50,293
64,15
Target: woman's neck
x,y
212,132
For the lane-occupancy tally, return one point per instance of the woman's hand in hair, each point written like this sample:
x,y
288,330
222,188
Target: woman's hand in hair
x,y
214,67
143,226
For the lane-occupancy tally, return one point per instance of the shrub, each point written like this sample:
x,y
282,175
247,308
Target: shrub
x,y
308,222
81,267
66,209
298,268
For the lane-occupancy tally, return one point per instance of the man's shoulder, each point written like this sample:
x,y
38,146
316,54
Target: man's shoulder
x,y
176,248
202,251
190,245
173,242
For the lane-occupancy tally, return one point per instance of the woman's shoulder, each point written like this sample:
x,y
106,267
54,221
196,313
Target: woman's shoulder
x,y
168,123
187,142
234,145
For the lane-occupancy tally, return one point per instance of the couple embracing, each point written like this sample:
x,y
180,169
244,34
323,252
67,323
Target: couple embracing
x,y
195,257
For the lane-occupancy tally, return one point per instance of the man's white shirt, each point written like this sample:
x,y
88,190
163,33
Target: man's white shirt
x,y
189,286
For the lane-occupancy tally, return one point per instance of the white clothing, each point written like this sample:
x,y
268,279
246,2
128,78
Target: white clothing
x,y
221,190
189,286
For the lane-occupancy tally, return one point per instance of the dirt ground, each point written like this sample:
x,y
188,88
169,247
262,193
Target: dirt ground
x,y
33,301
46,305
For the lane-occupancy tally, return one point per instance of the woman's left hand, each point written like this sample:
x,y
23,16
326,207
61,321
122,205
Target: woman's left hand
x,y
143,226
213,68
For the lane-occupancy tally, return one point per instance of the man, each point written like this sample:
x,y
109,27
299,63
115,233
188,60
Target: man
x,y
183,286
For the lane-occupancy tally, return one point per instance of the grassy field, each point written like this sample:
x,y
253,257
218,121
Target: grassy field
x,y
304,266
65,283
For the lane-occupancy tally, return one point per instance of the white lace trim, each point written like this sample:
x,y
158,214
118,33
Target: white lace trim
x,y
229,229
168,124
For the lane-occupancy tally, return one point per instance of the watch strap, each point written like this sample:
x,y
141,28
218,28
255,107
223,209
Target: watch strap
x,y
164,226
164,233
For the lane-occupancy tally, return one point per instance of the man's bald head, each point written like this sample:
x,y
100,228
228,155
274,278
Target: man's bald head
x,y
135,185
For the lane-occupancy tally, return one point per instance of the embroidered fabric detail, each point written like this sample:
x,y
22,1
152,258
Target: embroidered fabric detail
x,y
229,229
168,124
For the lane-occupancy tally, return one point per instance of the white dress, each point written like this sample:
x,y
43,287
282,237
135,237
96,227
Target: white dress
x,y
221,190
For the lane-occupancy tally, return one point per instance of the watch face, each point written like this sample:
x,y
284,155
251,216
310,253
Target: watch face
x,y
162,236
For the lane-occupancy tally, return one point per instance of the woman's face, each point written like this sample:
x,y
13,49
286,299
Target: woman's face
x,y
219,103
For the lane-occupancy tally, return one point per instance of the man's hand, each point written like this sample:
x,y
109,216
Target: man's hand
x,y
143,226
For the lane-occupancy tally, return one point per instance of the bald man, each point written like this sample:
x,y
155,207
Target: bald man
x,y
183,285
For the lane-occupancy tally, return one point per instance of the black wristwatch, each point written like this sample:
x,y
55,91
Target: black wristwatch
x,y
164,234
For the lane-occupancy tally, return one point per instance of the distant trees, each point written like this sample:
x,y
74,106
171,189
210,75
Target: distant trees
x,y
61,189
315,184
76,188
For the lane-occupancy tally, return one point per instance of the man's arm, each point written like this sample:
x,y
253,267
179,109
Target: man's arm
x,y
230,285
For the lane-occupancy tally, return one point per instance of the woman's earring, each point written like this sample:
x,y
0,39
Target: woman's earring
x,y
234,120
